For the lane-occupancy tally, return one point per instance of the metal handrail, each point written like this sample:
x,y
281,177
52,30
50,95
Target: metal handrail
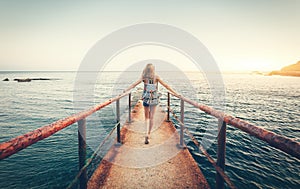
x,y
280,142
18,143
210,159
21,142
89,160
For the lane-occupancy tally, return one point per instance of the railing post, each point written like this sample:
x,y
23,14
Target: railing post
x,y
221,152
82,151
182,121
129,107
118,121
168,115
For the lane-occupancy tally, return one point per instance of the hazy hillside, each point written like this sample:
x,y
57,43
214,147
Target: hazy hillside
x,y
291,70
293,67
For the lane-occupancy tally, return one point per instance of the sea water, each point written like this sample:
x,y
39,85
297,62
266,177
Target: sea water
x,y
270,102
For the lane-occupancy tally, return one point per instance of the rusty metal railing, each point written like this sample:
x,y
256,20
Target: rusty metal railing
x,y
210,159
280,142
21,142
16,144
89,160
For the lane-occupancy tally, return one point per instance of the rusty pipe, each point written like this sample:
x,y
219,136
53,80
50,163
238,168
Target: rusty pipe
x,y
280,142
14,145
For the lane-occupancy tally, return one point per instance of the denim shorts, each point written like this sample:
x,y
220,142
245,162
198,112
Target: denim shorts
x,y
145,104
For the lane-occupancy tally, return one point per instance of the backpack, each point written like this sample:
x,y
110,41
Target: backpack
x,y
150,96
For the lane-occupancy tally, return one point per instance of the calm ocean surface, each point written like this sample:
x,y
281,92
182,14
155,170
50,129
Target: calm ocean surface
x,y
270,102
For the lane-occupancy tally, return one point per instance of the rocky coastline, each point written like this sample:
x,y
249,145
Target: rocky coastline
x,y
291,70
28,79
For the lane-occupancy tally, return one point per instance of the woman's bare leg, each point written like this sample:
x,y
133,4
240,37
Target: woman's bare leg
x,y
147,115
151,116
146,111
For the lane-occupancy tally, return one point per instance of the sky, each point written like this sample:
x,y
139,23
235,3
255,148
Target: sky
x,y
241,35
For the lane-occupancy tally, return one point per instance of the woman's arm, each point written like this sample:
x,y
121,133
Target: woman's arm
x,y
133,85
165,85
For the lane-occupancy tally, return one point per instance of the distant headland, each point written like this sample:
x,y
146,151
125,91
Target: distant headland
x,y
29,79
291,70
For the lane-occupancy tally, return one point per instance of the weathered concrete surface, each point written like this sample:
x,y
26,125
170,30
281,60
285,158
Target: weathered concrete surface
x,y
160,164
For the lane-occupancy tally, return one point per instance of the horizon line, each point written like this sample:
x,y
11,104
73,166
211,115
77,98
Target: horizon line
x,y
221,71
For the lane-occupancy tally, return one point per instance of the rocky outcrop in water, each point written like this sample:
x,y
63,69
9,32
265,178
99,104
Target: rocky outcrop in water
x,y
23,80
43,79
291,70
29,79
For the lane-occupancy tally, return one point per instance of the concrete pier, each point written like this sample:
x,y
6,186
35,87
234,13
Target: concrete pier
x,y
160,164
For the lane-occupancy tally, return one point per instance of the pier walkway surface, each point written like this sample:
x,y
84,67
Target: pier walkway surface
x,y
160,164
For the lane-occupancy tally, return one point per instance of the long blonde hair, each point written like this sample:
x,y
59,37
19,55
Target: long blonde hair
x,y
149,72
